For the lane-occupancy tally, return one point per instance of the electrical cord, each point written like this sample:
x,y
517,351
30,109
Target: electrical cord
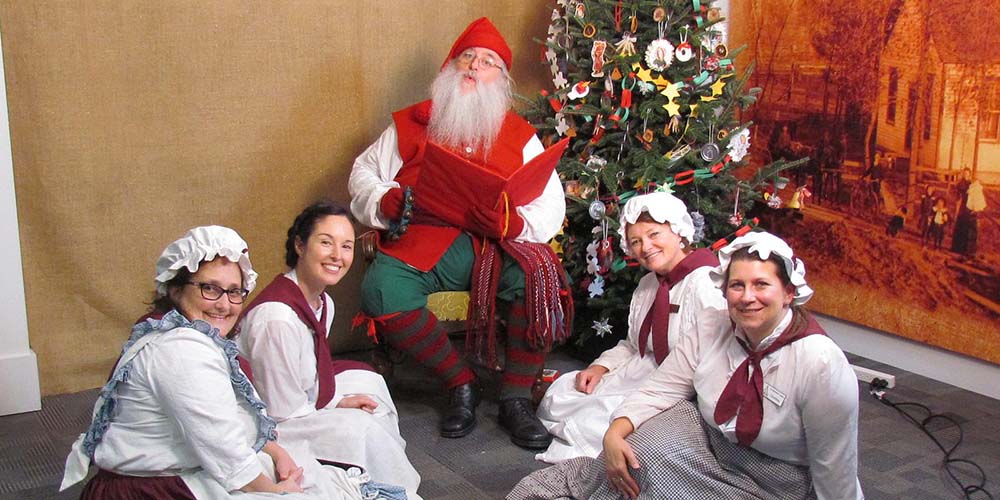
x,y
877,389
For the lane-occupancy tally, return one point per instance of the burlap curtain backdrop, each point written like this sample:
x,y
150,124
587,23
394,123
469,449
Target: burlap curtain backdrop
x,y
132,121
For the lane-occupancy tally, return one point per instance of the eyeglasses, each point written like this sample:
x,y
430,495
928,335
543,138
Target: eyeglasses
x,y
214,292
485,60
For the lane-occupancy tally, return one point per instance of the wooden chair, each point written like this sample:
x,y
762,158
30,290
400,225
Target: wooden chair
x,y
450,308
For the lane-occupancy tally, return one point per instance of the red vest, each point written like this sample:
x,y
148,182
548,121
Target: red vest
x,y
423,245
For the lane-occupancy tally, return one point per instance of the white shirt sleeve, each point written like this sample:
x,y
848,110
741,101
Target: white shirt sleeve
x,y
543,217
275,350
372,176
189,377
672,381
703,320
830,420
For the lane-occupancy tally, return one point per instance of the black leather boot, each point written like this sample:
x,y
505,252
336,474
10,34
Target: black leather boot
x,y
460,417
524,427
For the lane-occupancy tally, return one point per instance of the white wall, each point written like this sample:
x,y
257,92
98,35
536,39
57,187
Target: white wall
x,y
19,391
956,369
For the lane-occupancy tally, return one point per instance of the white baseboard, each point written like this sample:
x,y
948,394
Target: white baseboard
x,y
945,366
19,390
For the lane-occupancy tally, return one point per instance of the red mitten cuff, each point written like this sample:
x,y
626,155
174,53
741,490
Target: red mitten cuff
x,y
391,204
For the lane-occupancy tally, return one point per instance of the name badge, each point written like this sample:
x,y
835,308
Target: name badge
x,y
773,395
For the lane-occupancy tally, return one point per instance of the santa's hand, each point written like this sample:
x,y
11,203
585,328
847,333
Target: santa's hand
x,y
490,223
392,203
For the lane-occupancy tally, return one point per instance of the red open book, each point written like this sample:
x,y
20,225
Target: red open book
x,y
449,184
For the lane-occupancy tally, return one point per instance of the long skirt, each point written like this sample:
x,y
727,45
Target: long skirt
x,y
576,420
107,485
680,457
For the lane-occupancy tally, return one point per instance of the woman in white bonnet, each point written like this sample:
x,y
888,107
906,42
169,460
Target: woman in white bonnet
x,y
656,230
178,417
775,414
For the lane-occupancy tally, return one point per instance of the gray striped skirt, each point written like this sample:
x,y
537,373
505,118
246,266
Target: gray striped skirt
x,y
680,457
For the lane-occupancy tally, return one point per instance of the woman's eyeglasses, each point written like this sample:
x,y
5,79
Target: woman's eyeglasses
x,y
215,292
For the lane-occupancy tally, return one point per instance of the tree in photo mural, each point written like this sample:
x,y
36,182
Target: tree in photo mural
x,y
649,94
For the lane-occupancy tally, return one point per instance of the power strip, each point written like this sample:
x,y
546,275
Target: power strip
x,y
866,375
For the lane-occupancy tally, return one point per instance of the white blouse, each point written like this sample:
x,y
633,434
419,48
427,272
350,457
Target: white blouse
x,y
178,412
810,402
701,315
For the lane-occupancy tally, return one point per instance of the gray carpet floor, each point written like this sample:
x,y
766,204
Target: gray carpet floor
x,y
897,461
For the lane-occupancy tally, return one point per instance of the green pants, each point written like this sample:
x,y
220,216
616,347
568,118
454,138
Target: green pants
x,y
390,285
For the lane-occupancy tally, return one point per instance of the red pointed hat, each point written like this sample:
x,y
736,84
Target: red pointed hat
x,y
481,33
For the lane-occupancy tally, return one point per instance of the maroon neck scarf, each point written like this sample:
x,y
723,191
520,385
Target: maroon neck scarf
x,y
284,290
745,392
657,319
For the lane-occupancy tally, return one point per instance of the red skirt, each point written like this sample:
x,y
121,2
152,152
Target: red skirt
x,y
110,486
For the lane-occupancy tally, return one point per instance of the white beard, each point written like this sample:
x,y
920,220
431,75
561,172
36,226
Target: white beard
x,y
466,120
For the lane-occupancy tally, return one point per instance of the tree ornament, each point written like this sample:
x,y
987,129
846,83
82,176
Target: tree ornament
x,y
589,30
736,219
698,221
774,201
675,124
597,54
626,46
709,152
684,51
596,287
595,164
605,255
596,210
579,90
739,145
602,328
659,14
711,63
659,54
721,50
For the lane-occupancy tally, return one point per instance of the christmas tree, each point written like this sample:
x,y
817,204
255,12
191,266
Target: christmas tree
x,y
649,95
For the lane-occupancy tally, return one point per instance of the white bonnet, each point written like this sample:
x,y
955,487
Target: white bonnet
x,y
203,244
764,244
663,207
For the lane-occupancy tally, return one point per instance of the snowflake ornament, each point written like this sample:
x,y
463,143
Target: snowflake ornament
x,y
602,328
698,221
596,287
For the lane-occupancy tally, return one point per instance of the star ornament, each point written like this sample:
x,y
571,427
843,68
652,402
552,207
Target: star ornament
x,y
602,328
670,91
672,108
718,86
660,82
641,73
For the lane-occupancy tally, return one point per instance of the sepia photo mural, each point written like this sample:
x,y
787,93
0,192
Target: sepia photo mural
x,y
896,103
